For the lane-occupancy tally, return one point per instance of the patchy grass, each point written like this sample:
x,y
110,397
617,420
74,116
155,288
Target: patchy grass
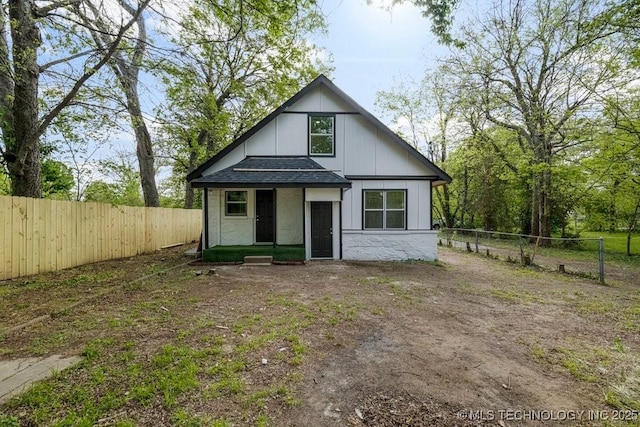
x,y
538,352
579,259
516,296
403,295
198,361
113,377
51,294
246,347
614,369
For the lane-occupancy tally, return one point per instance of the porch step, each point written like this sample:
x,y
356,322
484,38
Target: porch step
x,y
258,260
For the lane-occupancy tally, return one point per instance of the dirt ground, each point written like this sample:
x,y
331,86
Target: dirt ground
x,y
468,341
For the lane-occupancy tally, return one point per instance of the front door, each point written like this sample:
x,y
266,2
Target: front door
x,y
264,216
321,230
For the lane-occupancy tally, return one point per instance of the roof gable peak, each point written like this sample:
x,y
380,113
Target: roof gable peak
x,y
321,80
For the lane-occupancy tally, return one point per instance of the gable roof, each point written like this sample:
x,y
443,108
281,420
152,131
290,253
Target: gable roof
x,y
273,172
442,176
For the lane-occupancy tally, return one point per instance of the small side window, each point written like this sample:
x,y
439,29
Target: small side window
x,y
235,203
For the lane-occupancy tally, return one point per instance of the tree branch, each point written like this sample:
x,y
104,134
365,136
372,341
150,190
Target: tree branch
x,y
43,11
46,121
44,67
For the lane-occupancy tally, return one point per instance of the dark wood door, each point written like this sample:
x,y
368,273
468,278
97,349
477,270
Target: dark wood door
x,y
264,216
321,230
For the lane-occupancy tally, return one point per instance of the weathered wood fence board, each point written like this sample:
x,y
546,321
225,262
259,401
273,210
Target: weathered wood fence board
x,y
40,235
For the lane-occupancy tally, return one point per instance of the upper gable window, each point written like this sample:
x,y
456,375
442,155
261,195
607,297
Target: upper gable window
x,y
321,135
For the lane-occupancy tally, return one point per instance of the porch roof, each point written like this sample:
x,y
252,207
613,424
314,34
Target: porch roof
x,y
272,172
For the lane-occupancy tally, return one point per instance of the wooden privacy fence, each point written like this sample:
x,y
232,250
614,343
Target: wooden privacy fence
x,y
39,235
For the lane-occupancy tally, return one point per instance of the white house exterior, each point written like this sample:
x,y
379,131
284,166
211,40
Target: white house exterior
x,y
321,171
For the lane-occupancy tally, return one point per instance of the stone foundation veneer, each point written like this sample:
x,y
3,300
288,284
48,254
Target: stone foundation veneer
x,y
389,245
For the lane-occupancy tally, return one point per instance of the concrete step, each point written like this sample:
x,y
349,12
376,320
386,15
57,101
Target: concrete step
x,y
258,260
193,253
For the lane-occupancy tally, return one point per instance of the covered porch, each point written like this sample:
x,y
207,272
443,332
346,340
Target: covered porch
x,y
274,201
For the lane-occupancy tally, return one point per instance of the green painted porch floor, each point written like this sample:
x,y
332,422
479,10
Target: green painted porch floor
x,y
237,253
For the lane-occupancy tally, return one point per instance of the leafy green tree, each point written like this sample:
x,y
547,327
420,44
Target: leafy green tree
x,y
29,99
80,136
536,69
102,192
615,168
237,61
440,13
5,185
121,186
57,180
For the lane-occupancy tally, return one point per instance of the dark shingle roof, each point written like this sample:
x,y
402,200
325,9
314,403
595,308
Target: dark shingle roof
x,y
270,172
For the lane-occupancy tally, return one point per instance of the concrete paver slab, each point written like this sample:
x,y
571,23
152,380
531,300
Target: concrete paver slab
x,y
17,375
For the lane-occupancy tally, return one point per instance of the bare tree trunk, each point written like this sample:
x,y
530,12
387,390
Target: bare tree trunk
x,y
6,85
144,149
535,206
6,91
127,71
446,207
545,207
465,196
189,196
22,147
632,225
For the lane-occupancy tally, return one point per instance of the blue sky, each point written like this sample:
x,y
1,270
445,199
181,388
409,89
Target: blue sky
x,y
375,49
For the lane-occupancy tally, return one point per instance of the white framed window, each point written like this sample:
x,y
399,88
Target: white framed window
x,y
321,135
384,209
235,203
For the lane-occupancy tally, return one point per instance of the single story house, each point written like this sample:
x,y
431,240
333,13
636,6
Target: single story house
x,y
321,172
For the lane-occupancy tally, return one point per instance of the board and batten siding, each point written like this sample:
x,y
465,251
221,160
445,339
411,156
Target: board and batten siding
x,y
360,148
418,202
416,242
320,99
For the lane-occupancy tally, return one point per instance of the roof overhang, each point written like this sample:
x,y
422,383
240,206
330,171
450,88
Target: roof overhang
x,y
221,184
273,172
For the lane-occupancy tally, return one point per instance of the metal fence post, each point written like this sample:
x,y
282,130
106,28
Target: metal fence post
x,y
601,258
476,232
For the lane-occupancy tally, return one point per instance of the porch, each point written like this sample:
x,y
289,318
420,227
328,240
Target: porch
x,y
236,254
273,202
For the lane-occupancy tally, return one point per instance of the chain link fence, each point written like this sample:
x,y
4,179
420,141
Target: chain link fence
x,y
579,256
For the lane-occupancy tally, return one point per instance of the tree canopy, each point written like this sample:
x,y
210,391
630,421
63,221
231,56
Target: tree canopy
x,y
69,63
534,115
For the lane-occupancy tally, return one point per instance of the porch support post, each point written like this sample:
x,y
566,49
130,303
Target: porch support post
x,y
205,197
340,229
275,217
304,220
